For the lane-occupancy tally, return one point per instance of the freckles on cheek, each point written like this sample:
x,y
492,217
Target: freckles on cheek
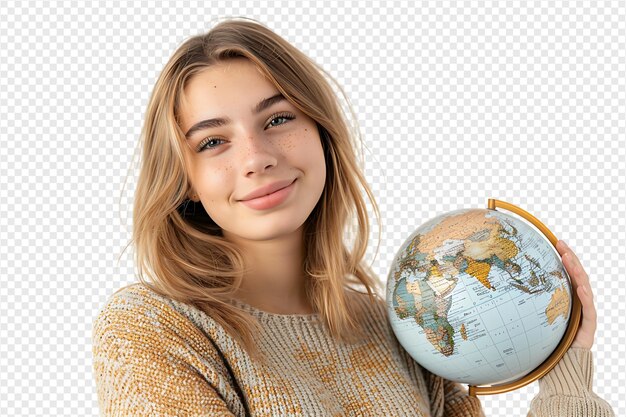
x,y
298,142
287,142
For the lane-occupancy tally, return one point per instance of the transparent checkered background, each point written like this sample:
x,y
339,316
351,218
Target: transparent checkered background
x,y
458,102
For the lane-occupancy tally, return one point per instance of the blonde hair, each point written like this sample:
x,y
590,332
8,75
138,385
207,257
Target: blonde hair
x,y
182,249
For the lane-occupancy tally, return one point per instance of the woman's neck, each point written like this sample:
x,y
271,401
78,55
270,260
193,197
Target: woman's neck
x,y
274,279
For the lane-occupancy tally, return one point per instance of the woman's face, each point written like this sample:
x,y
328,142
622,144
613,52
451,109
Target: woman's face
x,y
249,150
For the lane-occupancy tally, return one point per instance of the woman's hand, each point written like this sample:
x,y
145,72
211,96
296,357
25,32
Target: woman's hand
x,y
580,283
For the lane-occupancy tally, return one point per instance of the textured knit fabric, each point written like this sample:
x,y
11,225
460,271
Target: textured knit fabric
x,y
154,356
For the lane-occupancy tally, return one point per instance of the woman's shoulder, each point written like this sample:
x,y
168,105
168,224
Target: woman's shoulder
x,y
138,303
127,306
373,306
145,344
132,299
364,297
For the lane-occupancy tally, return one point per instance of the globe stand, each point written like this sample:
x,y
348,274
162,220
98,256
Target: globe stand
x,y
570,332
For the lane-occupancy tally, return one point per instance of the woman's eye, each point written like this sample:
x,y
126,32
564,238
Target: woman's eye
x,y
204,144
286,116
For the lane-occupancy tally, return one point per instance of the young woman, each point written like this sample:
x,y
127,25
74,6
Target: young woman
x,y
255,306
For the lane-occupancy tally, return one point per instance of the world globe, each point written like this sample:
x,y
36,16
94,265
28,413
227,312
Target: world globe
x,y
480,297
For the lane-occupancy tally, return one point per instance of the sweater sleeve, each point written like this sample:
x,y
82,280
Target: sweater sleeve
x,y
567,389
148,362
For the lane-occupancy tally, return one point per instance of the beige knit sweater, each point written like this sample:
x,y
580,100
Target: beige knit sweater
x,y
154,356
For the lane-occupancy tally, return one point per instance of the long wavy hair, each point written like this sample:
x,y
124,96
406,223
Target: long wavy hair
x,y
182,250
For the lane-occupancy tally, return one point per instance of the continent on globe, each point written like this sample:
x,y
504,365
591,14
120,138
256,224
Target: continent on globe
x,y
559,305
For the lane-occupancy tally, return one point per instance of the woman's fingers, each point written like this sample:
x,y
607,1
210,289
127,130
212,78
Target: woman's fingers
x,y
580,283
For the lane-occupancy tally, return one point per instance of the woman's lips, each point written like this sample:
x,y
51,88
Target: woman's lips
x,y
270,200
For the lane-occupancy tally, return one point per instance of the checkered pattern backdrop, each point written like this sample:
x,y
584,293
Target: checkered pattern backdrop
x,y
458,102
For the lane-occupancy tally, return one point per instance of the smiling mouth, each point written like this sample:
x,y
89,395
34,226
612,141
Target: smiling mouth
x,y
271,200
273,192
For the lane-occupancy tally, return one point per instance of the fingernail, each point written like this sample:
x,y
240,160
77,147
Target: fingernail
x,y
585,290
566,245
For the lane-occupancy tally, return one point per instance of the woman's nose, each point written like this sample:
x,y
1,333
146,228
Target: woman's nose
x,y
258,153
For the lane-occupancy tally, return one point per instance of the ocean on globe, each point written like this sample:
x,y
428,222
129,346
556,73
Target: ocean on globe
x,y
478,296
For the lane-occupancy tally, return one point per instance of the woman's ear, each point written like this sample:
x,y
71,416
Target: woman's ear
x,y
191,195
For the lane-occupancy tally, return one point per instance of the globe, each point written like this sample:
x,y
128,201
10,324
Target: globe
x,y
478,296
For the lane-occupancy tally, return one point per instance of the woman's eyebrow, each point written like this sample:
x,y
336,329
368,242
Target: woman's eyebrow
x,y
221,121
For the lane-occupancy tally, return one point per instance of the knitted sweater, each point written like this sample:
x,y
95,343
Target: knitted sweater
x,y
154,356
